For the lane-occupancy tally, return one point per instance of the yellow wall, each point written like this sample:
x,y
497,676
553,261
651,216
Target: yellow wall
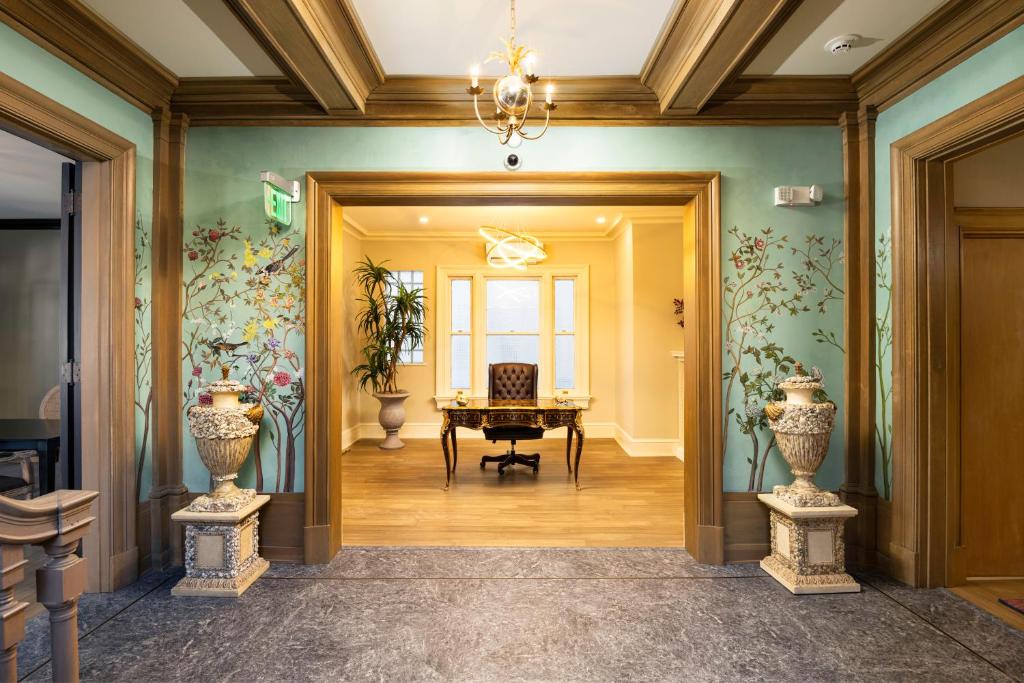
x,y
633,279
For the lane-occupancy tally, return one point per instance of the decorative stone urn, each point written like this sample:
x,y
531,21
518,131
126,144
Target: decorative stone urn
x,y
802,430
222,527
808,554
391,418
224,432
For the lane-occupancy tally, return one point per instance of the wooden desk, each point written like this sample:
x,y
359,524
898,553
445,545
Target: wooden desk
x,y
42,436
480,413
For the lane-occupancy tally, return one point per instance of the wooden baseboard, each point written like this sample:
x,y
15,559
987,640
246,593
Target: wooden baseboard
x,y
281,527
124,568
747,536
317,548
143,536
709,548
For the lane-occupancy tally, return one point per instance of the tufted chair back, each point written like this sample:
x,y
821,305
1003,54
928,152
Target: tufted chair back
x,y
512,381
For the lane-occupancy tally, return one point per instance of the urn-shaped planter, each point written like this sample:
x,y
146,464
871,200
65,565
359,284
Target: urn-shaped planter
x,y
802,429
391,418
224,432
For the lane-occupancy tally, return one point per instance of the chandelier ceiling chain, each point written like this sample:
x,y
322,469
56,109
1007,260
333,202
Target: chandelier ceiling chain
x,y
512,94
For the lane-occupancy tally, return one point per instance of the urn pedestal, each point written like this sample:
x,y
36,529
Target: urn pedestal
x,y
221,550
808,554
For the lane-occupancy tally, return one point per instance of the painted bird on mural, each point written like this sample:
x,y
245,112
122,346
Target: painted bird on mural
x,y
220,345
278,264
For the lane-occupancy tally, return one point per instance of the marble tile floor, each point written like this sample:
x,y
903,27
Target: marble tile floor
x,y
520,614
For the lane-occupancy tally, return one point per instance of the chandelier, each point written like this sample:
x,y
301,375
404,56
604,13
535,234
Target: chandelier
x,y
512,94
507,249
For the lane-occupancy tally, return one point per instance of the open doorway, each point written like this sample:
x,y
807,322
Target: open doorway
x,y
330,195
593,317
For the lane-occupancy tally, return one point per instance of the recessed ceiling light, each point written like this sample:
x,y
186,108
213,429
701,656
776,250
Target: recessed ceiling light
x,y
424,219
601,220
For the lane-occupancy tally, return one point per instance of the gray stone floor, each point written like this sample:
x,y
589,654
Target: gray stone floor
x,y
531,615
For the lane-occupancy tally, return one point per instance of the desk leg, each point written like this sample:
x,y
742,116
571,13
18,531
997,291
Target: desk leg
x,y
579,452
48,470
447,458
568,448
455,449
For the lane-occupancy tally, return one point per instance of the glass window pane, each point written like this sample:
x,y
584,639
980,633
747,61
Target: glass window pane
x,y
565,305
513,305
509,348
565,361
461,359
462,305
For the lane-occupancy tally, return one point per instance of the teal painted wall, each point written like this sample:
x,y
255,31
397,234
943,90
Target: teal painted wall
x,y
237,304
993,67
28,63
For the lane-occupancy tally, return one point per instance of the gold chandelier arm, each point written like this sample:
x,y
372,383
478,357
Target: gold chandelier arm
x,y
547,122
476,108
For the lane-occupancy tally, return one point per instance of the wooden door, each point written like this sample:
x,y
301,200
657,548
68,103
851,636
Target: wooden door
x,y
991,379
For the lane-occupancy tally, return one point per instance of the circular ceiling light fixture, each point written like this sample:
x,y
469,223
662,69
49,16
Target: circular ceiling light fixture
x,y
840,45
506,249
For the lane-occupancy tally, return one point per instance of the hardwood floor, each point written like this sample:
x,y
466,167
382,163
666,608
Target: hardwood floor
x,y
985,594
394,498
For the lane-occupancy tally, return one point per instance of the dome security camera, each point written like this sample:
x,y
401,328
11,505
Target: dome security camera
x,y
513,162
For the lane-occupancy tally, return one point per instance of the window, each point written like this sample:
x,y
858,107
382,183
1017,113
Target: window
x,y
488,317
411,279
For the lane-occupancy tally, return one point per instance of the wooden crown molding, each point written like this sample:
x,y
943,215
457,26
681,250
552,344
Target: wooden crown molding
x,y
74,33
704,44
319,44
945,38
601,101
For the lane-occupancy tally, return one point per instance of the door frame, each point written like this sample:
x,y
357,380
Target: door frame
x,y
107,433
925,399
329,192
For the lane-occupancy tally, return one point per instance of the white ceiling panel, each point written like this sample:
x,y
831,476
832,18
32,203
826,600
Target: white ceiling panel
x,y
798,49
579,222
189,37
571,37
29,179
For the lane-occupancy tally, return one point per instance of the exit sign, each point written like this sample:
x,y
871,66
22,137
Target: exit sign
x,y
278,196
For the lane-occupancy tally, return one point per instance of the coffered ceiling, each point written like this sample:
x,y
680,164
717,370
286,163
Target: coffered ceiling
x,y
571,37
405,62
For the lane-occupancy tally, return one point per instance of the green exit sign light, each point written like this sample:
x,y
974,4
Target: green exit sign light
x,y
278,196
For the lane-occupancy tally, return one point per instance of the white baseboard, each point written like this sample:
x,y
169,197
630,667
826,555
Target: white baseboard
x,y
594,430
646,448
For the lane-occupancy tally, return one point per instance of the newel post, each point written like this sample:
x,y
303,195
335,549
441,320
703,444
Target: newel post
x,y
59,584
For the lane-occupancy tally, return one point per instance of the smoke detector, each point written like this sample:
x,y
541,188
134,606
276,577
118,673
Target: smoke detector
x,y
840,45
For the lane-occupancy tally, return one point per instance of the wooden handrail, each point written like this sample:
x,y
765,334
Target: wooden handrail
x,y
57,522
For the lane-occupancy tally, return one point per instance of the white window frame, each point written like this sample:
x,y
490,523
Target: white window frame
x,y
546,275
423,288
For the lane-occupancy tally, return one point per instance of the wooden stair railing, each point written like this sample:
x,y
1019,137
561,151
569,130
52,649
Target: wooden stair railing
x,y
57,522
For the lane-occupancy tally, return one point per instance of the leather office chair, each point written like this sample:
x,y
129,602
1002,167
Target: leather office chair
x,y
512,381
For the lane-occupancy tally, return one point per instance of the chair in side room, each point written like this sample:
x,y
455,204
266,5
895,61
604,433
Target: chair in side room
x,y
512,382
18,469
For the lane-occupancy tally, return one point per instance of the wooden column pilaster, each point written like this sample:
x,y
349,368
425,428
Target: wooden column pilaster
x,y
858,489
168,493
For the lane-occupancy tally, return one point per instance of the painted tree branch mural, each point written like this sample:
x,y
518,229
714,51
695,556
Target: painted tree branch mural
x,y
754,295
883,352
244,299
819,261
143,349
759,289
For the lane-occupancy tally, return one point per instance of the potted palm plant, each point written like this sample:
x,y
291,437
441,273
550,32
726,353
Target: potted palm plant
x,y
391,319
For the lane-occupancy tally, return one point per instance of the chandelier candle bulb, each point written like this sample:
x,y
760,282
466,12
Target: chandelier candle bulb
x,y
548,93
474,75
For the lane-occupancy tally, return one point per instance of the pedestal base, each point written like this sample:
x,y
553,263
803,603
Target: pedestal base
x,y
221,551
808,552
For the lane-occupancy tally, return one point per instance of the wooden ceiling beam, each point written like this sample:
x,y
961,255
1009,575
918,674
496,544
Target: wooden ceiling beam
x,y
596,101
319,44
75,34
706,44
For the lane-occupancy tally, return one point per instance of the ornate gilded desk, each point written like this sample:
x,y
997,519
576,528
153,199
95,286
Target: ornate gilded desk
x,y
480,413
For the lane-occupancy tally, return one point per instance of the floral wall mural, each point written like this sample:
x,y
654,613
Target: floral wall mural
x,y
883,361
768,281
143,358
243,306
